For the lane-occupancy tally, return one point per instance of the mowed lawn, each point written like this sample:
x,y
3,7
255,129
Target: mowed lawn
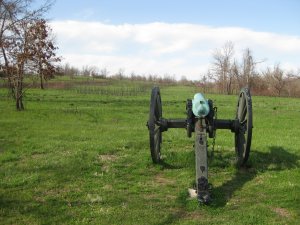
x,y
80,155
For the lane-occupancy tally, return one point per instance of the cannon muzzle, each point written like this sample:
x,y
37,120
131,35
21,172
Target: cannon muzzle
x,y
200,105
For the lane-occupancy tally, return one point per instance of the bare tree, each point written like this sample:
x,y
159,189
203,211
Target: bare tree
x,y
120,74
70,71
231,74
275,78
228,74
292,82
248,67
236,73
222,67
104,73
246,71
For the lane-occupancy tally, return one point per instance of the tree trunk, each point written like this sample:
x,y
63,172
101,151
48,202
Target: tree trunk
x,y
19,89
19,97
42,82
41,74
19,104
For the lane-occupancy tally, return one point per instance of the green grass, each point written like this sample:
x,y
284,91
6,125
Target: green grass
x,y
75,157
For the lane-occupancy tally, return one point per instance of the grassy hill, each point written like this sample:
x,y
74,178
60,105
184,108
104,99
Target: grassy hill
x,y
79,154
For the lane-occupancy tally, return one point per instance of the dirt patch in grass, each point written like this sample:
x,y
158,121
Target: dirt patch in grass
x,y
194,215
108,187
106,161
106,158
281,212
150,196
163,180
38,155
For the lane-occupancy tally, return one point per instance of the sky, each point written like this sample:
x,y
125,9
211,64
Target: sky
x,y
173,37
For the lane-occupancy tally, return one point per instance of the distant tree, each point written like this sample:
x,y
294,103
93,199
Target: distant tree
x,y
183,80
70,71
204,83
168,79
133,76
94,71
152,77
230,73
85,71
292,82
104,73
221,69
276,79
248,67
246,70
120,74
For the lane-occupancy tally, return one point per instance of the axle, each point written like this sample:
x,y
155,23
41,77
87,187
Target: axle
x,y
232,125
165,124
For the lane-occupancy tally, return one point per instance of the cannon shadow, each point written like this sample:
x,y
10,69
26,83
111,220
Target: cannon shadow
x,y
276,159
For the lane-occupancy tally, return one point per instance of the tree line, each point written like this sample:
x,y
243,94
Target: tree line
x,y
104,73
230,74
226,75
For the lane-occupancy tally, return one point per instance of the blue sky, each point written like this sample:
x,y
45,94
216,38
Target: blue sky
x,y
280,16
134,32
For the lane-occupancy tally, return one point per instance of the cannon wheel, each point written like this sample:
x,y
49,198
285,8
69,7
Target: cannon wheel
x,y
153,126
244,134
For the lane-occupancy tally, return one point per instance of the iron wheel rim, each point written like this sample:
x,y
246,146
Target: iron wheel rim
x,y
154,128
244,134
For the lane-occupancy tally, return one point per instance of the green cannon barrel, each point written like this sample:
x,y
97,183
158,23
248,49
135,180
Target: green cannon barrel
x,y
200,105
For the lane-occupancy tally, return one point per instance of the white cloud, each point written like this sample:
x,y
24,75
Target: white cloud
x,y
160,48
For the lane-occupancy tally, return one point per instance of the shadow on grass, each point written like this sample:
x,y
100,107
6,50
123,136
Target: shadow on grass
x,y
276,159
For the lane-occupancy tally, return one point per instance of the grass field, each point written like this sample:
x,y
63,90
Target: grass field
x,y
80,155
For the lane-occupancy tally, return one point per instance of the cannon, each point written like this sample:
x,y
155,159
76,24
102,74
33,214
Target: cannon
x,y
201,119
